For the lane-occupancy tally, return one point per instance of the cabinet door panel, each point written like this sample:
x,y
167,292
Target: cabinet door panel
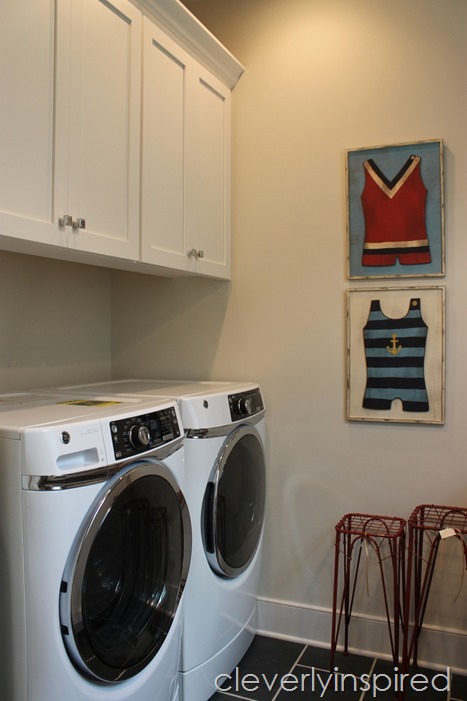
x,y
166,74
27,120
104,115
209,198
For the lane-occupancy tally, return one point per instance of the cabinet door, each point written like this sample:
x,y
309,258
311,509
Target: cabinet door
x,y
208,185
27,58
185,212
167,71
98,125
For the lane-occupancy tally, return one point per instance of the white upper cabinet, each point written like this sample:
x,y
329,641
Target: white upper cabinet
x,y
167,72
69,177
27,57
98,125
185,212
208,219
115,135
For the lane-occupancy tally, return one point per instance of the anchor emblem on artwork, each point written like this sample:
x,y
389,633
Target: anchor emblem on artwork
x,y
395,346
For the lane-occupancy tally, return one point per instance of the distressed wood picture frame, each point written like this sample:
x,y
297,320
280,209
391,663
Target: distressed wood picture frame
x,y
395,210
396,354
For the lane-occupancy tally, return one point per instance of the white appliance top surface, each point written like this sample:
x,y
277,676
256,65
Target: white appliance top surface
x,y
203,404
25,410
176,389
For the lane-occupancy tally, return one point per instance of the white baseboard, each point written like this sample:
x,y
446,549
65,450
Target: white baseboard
x,y
368,635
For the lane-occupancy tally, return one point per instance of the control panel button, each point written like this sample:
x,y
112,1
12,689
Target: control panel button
x,y
139,437
245,405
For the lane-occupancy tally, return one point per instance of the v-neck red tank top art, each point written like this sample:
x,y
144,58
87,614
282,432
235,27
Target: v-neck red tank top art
x,y
394,212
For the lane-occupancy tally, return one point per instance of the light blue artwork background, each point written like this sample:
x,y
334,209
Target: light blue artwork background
x,y
390,160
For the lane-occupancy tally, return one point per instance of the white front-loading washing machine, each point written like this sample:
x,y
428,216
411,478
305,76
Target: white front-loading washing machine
x,y
95,545
225,489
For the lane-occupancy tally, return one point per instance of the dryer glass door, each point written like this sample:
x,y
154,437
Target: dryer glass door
x,y
233,509
125,574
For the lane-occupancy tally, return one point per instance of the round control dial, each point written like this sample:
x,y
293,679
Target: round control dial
x,y
139,436
245,406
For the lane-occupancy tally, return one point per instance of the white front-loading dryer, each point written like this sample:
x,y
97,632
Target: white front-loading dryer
x,y
95,545
225,482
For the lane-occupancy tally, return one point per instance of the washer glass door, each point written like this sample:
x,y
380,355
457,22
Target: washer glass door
x,y
125,574
233,508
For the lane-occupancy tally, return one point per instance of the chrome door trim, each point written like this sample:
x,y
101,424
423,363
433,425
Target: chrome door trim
x,y
215,559
71,613
85,478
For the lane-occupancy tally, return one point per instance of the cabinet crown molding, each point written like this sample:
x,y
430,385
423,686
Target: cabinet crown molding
x,y
175,17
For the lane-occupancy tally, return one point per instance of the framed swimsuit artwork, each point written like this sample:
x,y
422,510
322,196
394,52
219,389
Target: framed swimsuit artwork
x,y
395,354
395,211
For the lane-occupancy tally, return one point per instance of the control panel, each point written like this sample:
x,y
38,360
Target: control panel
x,y
138,434
245,404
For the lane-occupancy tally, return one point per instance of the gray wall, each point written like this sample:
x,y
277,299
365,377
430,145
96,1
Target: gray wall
x,y
54,322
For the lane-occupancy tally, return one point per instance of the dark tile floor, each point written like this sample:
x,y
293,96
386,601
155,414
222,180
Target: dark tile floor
x,y
277,670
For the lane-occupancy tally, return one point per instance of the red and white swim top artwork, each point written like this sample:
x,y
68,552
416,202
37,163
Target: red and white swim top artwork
x,y
394,213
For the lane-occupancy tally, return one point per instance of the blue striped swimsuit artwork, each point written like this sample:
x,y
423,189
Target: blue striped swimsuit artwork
x,y
395,357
